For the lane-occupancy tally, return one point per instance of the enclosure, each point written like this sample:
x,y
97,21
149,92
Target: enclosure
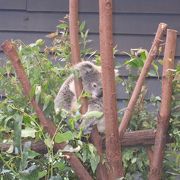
x,y
142,113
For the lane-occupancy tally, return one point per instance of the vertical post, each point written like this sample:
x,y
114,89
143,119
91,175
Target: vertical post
x,y
75,58
75,49
134,97
165,108
113,152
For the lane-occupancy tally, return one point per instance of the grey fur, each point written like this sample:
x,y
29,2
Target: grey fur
x,y
91,80
95,104
65,96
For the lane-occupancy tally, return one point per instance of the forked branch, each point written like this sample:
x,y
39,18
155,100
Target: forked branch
x,y
137,90
165,108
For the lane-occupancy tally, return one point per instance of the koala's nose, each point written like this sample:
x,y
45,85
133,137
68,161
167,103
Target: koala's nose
x,y
100,93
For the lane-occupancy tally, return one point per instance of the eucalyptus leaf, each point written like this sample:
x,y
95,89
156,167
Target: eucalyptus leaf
x,y
31,173
82,26
46,102
42,174
11,148
37,92
17,131
63,137
94,163
28,132
49,143
93,114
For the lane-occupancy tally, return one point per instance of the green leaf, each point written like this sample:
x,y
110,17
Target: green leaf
x,y
31,173
49,143
37,92
69,148
94,157
93,114
32,154
28,132
39,42
42,174
94,162
60,165
62,26
46,101
17,131
25,155
9,118
11,149
82,26
63,137
133,160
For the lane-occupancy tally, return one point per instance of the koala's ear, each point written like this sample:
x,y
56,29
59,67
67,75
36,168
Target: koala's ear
x,y
84,67
87,67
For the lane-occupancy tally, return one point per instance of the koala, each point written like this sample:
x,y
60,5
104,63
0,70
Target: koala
x,y
90,75
95,105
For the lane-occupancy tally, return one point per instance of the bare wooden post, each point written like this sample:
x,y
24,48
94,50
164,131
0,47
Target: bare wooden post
x,y
165,108
152,54
47,125
75,49
75,58
113,152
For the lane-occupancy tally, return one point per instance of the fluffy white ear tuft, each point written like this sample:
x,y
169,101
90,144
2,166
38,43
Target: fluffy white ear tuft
x,y
86,67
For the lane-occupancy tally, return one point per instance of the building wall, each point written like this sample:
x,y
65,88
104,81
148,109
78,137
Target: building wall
x,y
134,24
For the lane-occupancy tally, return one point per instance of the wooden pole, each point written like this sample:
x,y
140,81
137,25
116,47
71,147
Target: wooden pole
x,y
137,90
140,138
165,108
130,139
113,152
75,49
75,58
47,125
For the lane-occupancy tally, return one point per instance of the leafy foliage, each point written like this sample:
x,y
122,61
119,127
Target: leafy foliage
x,y
18,122
135,160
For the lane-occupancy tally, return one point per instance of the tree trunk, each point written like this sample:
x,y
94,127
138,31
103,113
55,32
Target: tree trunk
x,y
113,152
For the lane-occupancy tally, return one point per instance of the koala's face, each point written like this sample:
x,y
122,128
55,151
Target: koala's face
x,y
93,85
91,79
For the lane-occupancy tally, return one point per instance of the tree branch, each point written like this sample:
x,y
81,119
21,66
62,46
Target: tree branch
x,y
134,97
131,139
165,108
47,125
